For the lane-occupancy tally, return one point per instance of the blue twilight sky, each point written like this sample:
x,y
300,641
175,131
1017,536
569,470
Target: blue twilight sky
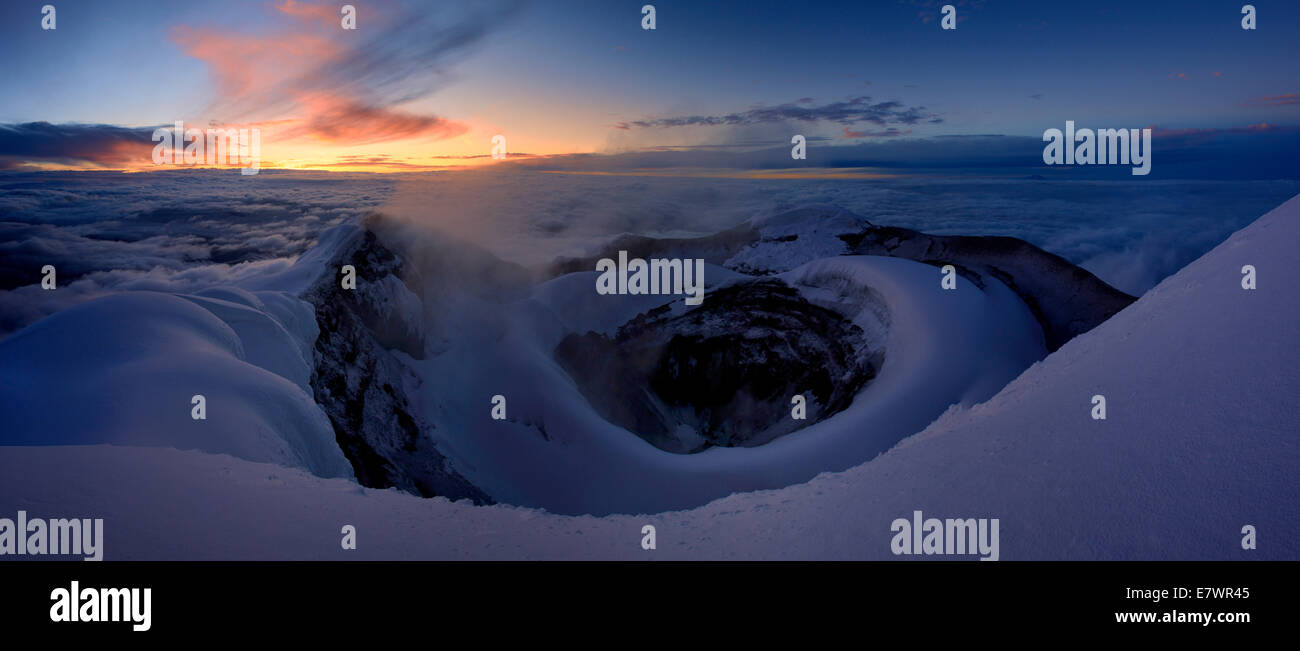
x,y
582,76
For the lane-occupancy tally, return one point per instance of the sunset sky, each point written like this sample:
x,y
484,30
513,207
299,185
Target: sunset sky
x,y
422,85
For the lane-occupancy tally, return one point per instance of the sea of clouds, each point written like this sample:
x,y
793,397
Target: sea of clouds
x,y
1132,234
186,230
166,231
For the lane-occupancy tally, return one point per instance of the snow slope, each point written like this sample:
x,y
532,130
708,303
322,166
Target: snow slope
x,y
122,369
555,452
1200,440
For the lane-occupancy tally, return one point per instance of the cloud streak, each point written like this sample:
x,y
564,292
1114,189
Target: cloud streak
x,y
849,112
343,87
1285,99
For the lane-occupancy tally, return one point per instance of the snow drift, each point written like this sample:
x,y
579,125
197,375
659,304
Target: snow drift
x,y
122,369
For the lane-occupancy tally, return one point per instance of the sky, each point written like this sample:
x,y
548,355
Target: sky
x,y
579,83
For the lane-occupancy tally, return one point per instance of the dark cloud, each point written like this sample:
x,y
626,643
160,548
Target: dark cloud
x,y
97,144
891,132
849,112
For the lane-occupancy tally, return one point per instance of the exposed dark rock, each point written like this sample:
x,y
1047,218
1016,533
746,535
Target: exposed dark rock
x,y
360,384
723,373
1065,299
